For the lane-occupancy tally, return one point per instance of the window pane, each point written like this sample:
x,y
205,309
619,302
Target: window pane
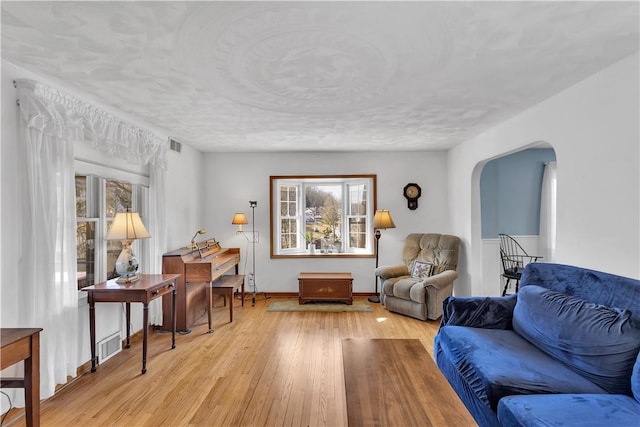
x,y
288,235
292,193
331,212
114,247
357,232
85,244
81,196
292,209
119,195
357,200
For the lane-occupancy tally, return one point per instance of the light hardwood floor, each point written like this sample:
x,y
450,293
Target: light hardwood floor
x,y
264,369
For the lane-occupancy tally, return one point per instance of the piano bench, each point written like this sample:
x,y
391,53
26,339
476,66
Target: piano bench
x,y
226,286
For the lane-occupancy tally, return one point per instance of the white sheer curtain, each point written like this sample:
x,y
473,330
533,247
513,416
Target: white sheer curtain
x,y
157,229
48,297
548,213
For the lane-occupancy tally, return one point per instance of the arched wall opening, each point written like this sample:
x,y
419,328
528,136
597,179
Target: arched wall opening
x,y
506,198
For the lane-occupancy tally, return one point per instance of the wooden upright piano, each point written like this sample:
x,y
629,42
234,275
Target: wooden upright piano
x,y
198,268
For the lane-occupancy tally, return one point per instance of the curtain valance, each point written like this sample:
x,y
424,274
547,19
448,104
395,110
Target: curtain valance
x,y
59,114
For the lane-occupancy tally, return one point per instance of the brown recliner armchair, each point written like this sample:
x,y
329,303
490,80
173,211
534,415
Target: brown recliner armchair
x,y
421,297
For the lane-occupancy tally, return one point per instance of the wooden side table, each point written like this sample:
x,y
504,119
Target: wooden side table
x,y
325,287
148,288
23,344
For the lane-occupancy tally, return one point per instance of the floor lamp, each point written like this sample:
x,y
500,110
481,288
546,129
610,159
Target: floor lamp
x,y
381,221
239,219
252,205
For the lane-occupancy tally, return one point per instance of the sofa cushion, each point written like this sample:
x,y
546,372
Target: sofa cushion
x,y
600,343
594,286
402,290
601,410
497,363
479,312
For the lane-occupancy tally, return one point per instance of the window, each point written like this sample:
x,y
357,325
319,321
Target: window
x,y
97,202
289,216
322,215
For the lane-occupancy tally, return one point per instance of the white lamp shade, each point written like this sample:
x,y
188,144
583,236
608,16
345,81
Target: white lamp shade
x,y
127,226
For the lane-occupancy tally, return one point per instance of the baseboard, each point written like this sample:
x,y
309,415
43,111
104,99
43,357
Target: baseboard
x,y
248,295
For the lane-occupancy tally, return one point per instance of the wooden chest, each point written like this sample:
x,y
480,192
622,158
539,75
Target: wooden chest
x,y
325,287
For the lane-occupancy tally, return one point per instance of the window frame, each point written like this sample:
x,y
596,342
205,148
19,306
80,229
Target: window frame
x,y
301,182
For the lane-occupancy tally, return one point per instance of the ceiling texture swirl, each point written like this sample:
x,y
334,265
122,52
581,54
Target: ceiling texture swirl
x,y
319,76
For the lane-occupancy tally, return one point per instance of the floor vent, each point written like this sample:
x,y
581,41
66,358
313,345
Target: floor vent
x,y
175,145
109,347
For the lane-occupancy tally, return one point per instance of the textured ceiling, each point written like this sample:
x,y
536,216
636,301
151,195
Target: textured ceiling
x,y
318,76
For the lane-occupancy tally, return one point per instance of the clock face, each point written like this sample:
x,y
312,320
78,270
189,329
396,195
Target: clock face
x,y
412,191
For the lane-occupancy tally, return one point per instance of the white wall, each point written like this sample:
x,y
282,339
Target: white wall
x,y
234,179
10,195
185,196
594,129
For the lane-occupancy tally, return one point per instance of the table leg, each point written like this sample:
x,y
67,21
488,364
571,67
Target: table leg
x,y
242,293
145,328
210,295
32,383
92,331
128,310
173,317
230,304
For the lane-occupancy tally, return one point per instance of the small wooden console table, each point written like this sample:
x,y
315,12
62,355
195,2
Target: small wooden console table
x,y
148,288
325,287
23,344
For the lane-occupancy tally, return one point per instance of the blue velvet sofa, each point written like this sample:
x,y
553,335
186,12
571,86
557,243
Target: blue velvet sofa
x,y
563,351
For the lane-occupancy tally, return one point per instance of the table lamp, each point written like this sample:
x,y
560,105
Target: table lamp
x,y
381,220
239,219
127,226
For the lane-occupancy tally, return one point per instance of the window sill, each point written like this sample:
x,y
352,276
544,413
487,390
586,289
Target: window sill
x,y
321,255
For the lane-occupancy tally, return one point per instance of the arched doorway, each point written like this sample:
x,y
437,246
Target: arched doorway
x,y
515,199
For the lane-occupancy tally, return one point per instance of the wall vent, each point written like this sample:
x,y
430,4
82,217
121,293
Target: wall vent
x,y
175,145
109,347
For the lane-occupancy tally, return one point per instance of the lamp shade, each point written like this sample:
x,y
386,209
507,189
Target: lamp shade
x,y
127,226
382,219
239,219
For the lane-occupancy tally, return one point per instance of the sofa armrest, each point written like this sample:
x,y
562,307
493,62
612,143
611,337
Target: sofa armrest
x,y
387,272
479,312
440,280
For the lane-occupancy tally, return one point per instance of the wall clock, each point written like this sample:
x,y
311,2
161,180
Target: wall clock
x,y
412,192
